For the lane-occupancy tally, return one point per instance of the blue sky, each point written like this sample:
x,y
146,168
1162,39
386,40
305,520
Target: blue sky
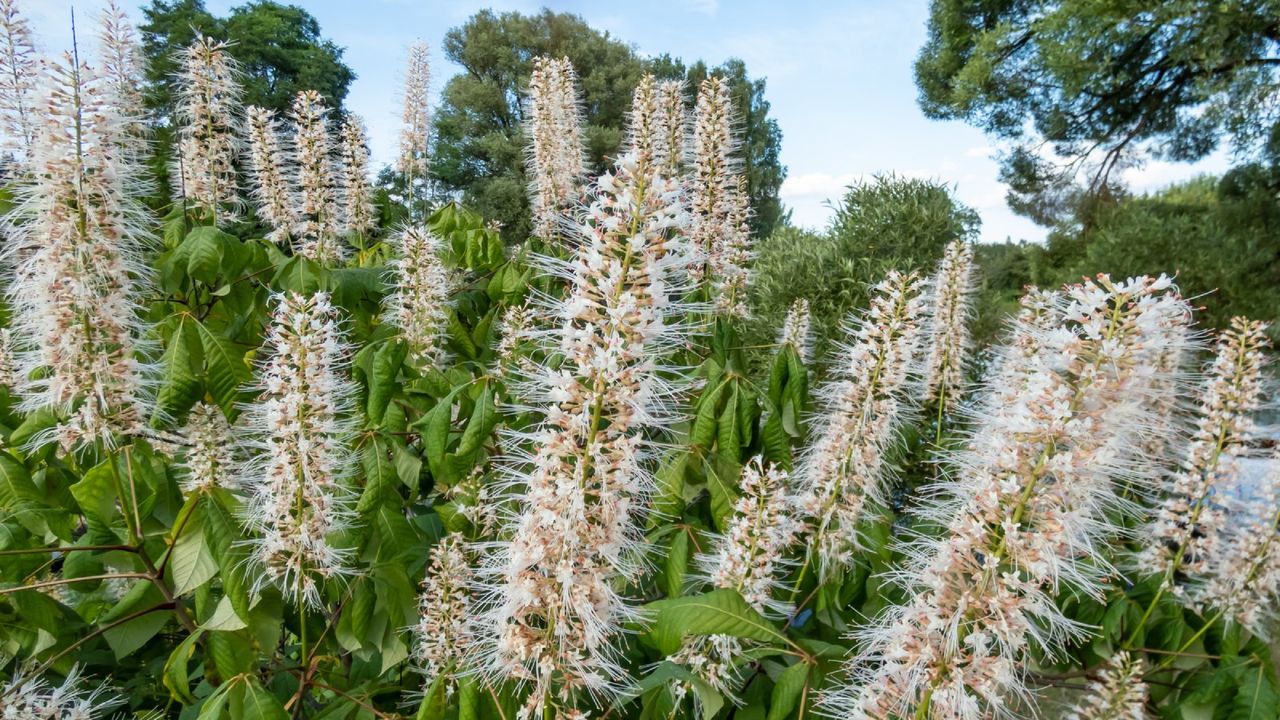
x,y
839,80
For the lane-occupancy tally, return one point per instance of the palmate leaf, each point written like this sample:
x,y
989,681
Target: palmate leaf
x,y
719,612
180,370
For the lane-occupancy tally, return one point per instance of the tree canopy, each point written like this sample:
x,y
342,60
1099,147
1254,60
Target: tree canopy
x,y
1102,82
279,47
480,146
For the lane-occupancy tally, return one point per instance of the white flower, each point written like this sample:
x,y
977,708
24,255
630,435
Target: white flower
x,y
796,330
301,432
415,126
359,214
579,478
74,239
443,634
18,79
556,160
671,126
419,305
1185,531
951,291
863,408
1118,693
1028,511
209,459
208,111
271,181
320,224
36,700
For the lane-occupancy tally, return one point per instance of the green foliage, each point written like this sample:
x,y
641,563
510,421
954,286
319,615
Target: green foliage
x,y
1111,78
480,145
880,224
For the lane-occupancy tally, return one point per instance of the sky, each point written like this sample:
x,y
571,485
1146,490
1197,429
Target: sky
x,y
839,76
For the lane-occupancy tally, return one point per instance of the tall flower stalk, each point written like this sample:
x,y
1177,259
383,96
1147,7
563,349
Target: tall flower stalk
x,y
1027,512
19,70
301,433
359,214
843,470
580,476
122,65
1118,693
443,635
75,236
320,223
555,158
751,558
208,111
797,329
949,343
419,306
671,126
415,122
1187,526
269,172
717,199
209,460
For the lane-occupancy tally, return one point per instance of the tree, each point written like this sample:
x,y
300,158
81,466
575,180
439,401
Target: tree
x,y
278,46
479,148
1102,82
882,224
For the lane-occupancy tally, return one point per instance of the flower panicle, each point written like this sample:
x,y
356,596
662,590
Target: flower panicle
x,y
844,469
580,479
1029,509
672,125
1242,580
301,431
797,330
120,58
951,290
1188,524
77,233
1118,692
415,119
359,213
19,73
209,112
209,460
718,198
269,172
555,156
443,635
319,220
419,306
35,699
732,252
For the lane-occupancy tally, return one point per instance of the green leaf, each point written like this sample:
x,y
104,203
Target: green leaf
x,y
677,563
95,493
382,380
719,612
1257,697
262,705
33,425
191,563
484,418
434,702
180,369
204,248
226,370
703,433
787,691
722,475
175,669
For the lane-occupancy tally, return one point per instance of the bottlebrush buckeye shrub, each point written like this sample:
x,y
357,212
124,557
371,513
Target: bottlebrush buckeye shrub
x,y
264,457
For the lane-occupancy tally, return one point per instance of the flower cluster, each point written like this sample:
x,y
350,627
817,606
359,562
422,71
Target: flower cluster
x,y
208,110
415,125
1186,528
320,226
36,700
209,459
843,470
513,331
443,633
1028,511
579,477
672,125
556,160
749,558
718,201
270,174
18,75
1242,581
951,290
1118,693
121,60
419,306
74,238
299,498
797,331
359,214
